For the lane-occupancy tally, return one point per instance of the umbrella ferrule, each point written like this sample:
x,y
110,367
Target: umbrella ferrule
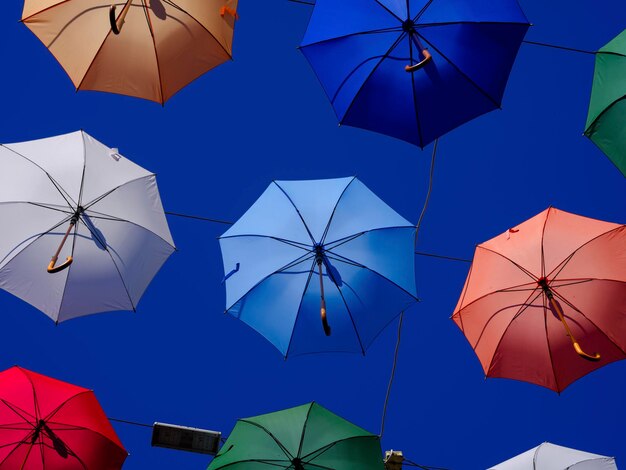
x,y
408,26
77,214
297,464
543,283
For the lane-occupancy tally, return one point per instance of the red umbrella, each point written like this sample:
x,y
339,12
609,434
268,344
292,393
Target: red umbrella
x,y
541,294
52,425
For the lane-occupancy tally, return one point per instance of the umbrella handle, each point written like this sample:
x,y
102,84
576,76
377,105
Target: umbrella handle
x,y
414,68
557,308
118,23
55,269
325,324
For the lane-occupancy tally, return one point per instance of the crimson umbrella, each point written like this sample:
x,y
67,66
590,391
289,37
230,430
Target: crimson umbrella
x,y
545,302
53,425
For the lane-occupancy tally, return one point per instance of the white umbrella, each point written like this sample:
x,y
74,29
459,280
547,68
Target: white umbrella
x,y
73,198
552,457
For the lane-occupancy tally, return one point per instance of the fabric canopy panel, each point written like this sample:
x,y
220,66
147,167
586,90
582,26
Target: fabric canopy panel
x,y
307,437
46,424
544,292
162,45
415,69
552,457
333,240
109,210
606,121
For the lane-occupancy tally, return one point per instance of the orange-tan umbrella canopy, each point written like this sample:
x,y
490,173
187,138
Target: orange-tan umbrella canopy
x,y
545,302
160,45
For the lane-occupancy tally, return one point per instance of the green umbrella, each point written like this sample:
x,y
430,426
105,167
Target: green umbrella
x,y
606,122
307,437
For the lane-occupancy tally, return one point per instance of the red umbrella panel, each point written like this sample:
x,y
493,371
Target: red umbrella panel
x,y
545,302
52,425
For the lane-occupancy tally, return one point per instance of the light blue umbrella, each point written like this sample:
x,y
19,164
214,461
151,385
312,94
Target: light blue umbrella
x,y
319,266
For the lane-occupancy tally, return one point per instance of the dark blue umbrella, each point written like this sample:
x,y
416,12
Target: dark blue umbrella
x,y
326,250
413,69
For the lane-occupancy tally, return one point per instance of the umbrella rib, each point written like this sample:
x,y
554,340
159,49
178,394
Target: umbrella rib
x,y
345,259
81,428
109,192
106,248
389,11
571,305
524,270
203,27
52,180
156,54
327,447
24,20
35,238
271,463
415,106
52,207
349,238
522,309
449,23
480,337
306,286
463,74
297,210
295,244
332,214
306,419
113,218
280,445
82,179
543,234
545,319
385,55
422,11
69,271
393,29
14,409
556,271
279,270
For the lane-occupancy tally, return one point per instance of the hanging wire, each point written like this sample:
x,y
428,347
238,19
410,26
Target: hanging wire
x,y
132,423
393,373
417,228
303,2
196,217
563,48
410,463
451,258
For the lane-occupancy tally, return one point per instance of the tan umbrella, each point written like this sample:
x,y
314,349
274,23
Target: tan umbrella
x,y
144,48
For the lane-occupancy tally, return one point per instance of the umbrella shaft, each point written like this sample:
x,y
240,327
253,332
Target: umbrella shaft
x,y
323,301
67,233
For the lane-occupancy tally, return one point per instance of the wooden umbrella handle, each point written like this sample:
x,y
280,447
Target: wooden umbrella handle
x,y
325,324
414,68
595,357
52,268
118,23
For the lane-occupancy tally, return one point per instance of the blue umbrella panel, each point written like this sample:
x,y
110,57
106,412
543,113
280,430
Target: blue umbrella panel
x,y
413,69
319,266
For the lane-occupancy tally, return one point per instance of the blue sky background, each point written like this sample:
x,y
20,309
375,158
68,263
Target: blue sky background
x,y
216,146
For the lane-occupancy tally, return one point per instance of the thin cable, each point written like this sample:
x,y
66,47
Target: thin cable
x,y
430,189
393,373
196,217
417,228
410,463
133,423
451,258
563,48
302,2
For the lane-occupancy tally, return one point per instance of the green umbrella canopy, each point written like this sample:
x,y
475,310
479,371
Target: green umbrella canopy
x,y
307,437
606,121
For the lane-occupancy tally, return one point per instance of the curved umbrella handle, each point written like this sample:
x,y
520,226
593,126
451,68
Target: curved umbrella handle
x,y
557,308
593,358
118,23
55,269
414,68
